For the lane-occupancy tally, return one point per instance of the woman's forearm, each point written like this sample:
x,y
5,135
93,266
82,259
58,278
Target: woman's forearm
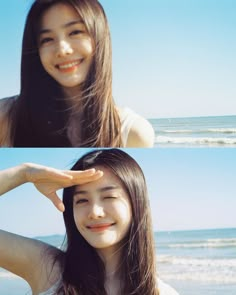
x,y
12,177
47,180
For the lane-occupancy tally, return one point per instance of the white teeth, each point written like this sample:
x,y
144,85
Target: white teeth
x,y
69,65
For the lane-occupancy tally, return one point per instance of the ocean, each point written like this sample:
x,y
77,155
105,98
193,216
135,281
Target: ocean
x,y
197,262
218,131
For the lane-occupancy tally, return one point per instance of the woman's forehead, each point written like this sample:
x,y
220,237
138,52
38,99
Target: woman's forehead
x,y
109,179
59,14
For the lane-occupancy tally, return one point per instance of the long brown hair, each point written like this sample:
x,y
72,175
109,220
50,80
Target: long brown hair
x,y
42,116
83,270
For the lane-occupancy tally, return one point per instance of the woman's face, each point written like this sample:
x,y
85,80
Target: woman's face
x,y
102,211
65,47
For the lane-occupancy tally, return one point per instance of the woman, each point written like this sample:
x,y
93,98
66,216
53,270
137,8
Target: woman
x,y
110,248
66,83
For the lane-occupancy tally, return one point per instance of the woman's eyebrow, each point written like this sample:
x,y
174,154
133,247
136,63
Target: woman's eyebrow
x,y
100,190
69,24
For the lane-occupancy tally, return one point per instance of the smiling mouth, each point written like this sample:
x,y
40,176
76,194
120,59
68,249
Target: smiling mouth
x,y
100,227
69,66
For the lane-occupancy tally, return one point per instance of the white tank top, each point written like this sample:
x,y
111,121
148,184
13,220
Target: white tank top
x,y
127,119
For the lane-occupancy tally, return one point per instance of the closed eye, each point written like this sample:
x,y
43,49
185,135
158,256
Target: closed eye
x,y
45,40
110,197
76,32
81,201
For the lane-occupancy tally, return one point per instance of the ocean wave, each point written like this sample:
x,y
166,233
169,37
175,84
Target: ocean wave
x,y
210,243
201,276
190,261
222,130
199,131
195,140
222,240
198,269
178,131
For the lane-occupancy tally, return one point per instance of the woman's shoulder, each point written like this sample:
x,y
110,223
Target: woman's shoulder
x,y
6,106
165,289
48,275
136,130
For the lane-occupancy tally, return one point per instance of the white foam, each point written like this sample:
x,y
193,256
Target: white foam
x,y
195,140
222,130
178,131
210,243
209,130
197,269
201,276
225,240
190,261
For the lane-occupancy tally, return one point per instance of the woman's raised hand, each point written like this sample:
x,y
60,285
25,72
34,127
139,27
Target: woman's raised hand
x,y
48,180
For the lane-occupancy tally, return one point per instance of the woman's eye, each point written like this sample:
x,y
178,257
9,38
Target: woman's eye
x,y
45,40
76,32
81,201
109,197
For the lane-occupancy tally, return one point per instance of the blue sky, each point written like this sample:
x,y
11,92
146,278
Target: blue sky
x,y
171,58
188,189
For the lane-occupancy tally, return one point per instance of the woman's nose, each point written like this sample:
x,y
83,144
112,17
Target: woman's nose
x,y
64,48
96,211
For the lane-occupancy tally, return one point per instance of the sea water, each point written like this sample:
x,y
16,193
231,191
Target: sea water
x,y
198,262
195,131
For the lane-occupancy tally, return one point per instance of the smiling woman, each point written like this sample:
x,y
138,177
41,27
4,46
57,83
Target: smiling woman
x,y
65,47
106,204
109,237
66,83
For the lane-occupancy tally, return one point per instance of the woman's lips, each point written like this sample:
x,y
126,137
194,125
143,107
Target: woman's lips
x,y
69,66
99,227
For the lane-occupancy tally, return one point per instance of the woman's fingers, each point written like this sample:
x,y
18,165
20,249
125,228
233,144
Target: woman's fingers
x,y
56,201
81,177
37,173
49,180
60,175
54,175
76,177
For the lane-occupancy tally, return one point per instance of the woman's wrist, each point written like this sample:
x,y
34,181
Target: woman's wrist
x,y
25,170
19,173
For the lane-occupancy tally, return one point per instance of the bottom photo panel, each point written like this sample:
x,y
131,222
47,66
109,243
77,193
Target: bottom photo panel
x,y
118,221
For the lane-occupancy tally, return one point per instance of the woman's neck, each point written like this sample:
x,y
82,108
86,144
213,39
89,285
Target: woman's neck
x,y
72,95
112,260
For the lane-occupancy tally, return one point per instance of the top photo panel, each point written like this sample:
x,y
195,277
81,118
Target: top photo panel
x,y
127,73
